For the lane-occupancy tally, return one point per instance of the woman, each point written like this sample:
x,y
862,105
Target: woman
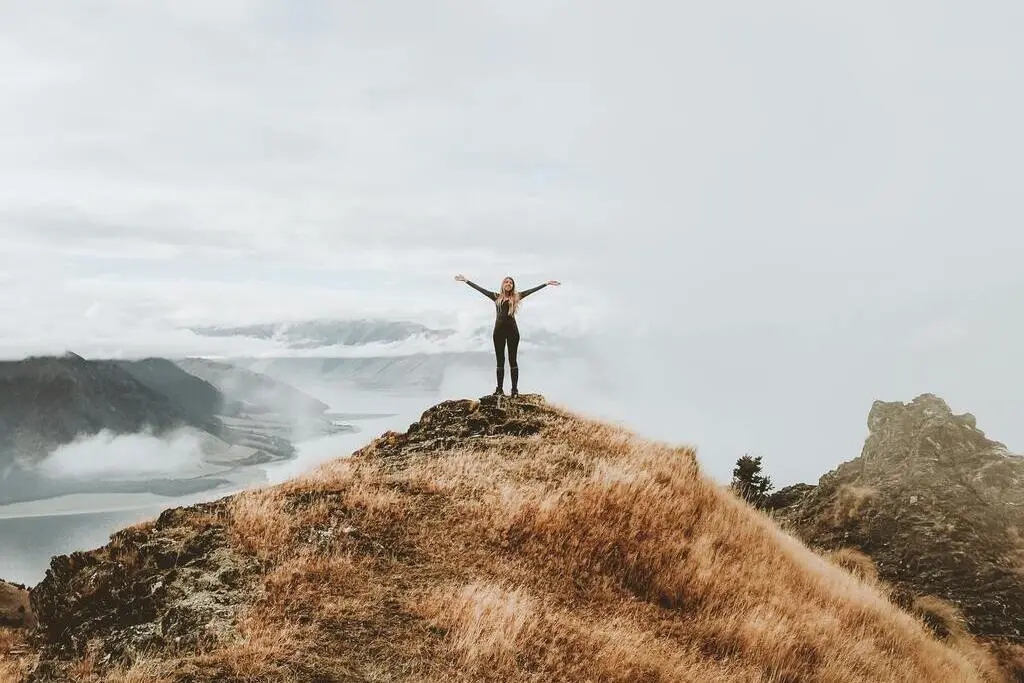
x,y
506,331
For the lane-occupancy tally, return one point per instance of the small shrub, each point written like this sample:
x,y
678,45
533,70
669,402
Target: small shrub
x,y
748,482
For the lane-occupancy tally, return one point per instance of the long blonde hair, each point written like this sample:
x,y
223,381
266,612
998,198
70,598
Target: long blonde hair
x,y
513,299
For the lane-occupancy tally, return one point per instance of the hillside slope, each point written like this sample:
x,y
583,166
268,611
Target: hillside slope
x,y
202,401
490,542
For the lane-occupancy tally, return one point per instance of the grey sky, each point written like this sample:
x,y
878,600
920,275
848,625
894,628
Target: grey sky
x,y
794,207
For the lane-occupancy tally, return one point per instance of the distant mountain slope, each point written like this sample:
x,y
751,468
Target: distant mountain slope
x,y
936,504
252,391
262,406
199,399
49,401
492,541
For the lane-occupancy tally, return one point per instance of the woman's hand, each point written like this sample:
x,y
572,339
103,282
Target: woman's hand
x,y
554,283
460,278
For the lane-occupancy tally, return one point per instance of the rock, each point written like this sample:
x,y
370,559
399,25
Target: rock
x,y
936,504
451,423
787,496
172,585
15,607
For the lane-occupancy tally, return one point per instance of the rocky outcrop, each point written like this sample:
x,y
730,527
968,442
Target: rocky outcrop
x,y
935,503
462,422
15,608
171,586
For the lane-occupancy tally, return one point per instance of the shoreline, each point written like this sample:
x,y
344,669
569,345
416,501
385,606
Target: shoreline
x,y
72,504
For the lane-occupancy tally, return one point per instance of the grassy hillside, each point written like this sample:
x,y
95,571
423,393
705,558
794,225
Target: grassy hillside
x,y
485,544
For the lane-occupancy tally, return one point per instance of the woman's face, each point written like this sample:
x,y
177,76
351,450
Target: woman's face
x,y
507,285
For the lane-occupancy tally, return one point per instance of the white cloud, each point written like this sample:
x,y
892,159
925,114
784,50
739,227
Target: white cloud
x,y
838,180
125,456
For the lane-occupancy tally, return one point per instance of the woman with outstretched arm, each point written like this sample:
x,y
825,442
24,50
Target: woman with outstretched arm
x,y
506,331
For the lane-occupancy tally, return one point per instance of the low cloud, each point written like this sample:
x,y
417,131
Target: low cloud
x,y
108,456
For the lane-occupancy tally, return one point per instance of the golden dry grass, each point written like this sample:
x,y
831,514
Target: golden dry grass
x,y
855,562
16,657
585,554
849,503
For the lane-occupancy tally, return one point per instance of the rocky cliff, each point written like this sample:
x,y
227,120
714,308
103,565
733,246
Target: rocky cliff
x,y
494,540
935,503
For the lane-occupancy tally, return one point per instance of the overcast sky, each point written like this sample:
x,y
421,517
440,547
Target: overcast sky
x,y
791,208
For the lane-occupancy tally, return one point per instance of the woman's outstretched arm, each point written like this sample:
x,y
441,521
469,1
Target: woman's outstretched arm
x,y
486,292
527,292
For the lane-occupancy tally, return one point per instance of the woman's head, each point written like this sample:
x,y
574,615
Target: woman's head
x,y
508,293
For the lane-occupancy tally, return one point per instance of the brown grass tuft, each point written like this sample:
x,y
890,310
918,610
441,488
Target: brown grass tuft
x,y
856,562
850,501
941,616
488,625
1011,657
947,622
257,523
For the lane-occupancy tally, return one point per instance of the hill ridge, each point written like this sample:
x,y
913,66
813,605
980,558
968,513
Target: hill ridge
x,y
492,540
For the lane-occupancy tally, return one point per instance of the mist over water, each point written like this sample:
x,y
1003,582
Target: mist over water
x,y
125,456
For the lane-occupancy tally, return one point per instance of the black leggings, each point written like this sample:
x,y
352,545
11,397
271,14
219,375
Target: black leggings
x,y
507,335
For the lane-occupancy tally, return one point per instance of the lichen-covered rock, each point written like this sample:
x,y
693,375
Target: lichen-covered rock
x,y
454,423
174,585
936,504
